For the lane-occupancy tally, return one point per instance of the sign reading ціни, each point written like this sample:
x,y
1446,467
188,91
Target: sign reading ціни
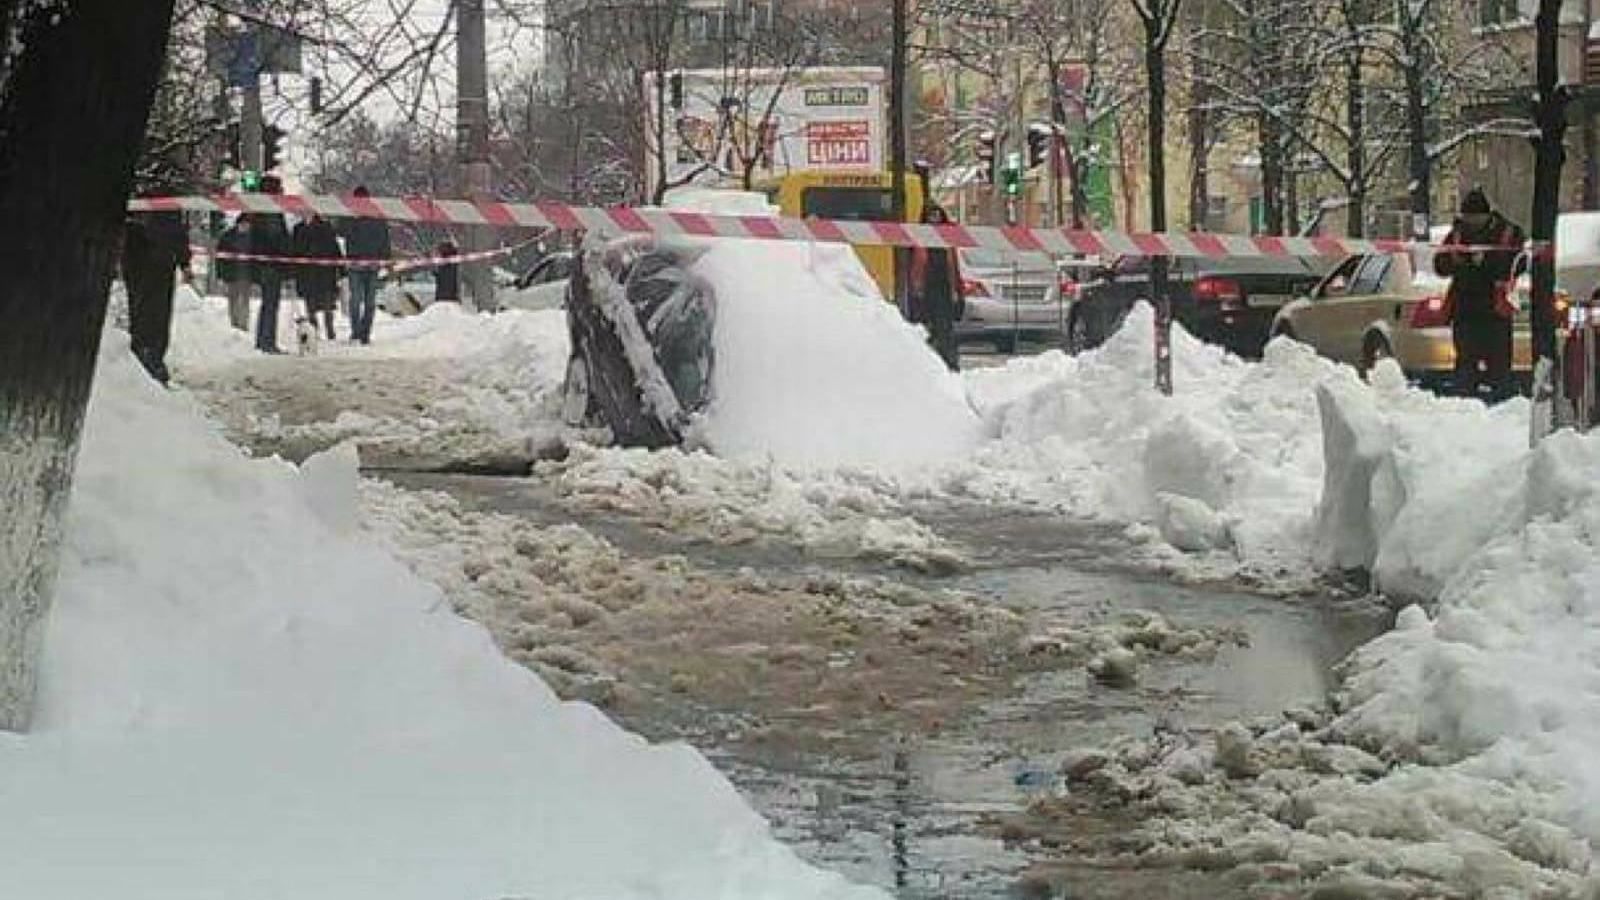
x,y
836,96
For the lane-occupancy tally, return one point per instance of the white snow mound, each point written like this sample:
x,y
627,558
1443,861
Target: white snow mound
x,y
1446,501
815,370
240,701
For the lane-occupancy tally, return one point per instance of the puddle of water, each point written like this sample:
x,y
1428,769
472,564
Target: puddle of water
x,y
917,814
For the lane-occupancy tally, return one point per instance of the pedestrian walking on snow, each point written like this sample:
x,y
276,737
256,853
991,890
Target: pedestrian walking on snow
x,y
447,278
1479,303
317,285
367,240
269,236
235,273
155,246
935,292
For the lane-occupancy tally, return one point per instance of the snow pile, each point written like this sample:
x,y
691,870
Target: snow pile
x,y
1503,680
1414,482
1286,806
701,497
240,700
815,370
1232,462
1460,756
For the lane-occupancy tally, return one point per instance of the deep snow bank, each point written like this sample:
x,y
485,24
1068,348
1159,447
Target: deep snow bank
x,y
1445,499
815,370
241,699
1233,461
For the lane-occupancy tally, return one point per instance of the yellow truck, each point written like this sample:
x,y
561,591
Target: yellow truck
x,y
851,197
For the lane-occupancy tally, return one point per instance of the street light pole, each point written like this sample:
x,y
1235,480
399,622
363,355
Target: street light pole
x,y
899,154
472,142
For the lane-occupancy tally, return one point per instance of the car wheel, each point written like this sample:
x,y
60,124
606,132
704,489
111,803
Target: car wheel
x,y
1374,350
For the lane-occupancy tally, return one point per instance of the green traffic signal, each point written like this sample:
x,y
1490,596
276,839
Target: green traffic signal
x,y
250,182
1011,175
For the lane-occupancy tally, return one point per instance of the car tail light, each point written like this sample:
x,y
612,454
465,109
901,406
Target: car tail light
x,y
1225,291
1430,313
970,288
1069,289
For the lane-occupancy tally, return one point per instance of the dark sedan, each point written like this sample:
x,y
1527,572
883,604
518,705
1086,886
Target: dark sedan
x,y
1229,302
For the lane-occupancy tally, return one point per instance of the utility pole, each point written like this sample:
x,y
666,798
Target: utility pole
x,y
1019,127
1591,140
1550,114
250,122
898,152
1158,19
472,143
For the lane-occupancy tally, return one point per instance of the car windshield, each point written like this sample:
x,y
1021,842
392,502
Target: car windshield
x,y
853,204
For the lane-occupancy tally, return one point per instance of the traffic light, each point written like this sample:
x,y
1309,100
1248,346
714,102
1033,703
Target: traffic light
x,y
985,152
250,182
1011,175
271,147
1039,140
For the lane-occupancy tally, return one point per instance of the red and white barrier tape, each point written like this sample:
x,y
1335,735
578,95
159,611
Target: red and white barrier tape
x,y
397,264
677,223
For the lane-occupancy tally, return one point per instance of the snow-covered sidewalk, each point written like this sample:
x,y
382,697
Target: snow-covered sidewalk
x,y
243,697
445,388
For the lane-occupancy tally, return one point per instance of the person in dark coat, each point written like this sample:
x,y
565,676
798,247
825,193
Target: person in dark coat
x,y
235,273
1480,302
155,246
269,236
935,292
318,285
447,278
366,240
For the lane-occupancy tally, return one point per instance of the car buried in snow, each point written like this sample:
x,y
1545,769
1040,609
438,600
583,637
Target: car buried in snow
x,y
542,287
641,324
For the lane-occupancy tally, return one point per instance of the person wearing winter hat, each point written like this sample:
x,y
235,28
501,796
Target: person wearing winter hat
x,y
1480,256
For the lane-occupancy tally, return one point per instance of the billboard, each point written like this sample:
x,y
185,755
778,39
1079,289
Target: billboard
x,y
822,118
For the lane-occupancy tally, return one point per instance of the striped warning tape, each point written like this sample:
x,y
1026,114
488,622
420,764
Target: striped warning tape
x,y
396,264
677,223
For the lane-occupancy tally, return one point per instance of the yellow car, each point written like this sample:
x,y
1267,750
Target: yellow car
x,y
1391,305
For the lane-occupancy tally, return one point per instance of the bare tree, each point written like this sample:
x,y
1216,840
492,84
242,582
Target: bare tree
x,y
1088,78
1253,62
75,88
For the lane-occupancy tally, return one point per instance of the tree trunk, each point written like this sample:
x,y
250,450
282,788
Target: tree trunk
x,y
1421,167
1291,194
1550,113
74,96
1356,123
1270,147
1199,151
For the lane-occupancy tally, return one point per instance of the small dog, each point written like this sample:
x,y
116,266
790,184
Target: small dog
x,y
306,338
